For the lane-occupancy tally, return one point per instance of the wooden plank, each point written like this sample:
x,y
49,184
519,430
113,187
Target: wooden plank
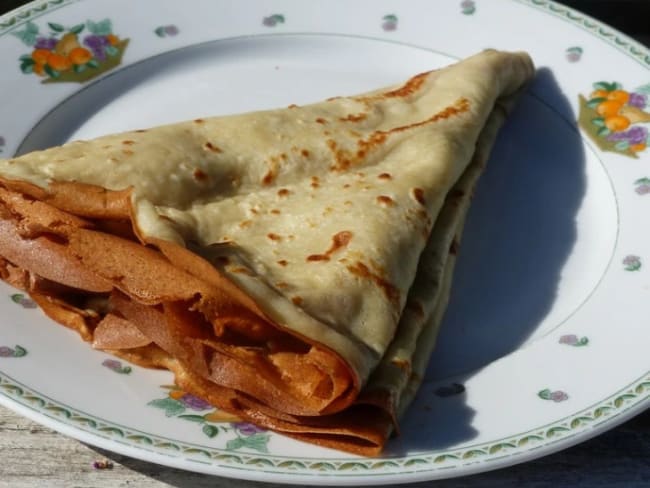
x,y
33,456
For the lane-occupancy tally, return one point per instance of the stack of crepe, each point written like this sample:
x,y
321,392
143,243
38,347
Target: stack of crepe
x,y
289,266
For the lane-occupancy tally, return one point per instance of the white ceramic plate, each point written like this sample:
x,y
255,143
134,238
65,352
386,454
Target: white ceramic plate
x,y
545,342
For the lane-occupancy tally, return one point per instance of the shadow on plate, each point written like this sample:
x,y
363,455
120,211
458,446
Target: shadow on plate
x,y
520,231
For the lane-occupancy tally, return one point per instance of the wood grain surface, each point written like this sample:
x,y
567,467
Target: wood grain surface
x,y
34,456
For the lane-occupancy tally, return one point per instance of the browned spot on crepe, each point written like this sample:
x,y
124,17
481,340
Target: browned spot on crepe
x,y
211,147
354,117
418,195
385,200
344,159
390,291
339,241
200,175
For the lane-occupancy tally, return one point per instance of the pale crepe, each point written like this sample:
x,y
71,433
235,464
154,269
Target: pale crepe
x,y
320,240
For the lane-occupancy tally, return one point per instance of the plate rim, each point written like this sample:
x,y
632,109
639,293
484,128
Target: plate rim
x,y
625,409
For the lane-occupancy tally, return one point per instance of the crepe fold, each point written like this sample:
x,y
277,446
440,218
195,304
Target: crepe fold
x,y
290,266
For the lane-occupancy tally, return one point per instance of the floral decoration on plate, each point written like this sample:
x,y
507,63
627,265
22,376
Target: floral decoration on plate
x,y
15,352
273,20
557,396
115,365
574,340
76,53
23,300
212,420
166,30
468,7
642,185
615,118
389,22
573,54
632,263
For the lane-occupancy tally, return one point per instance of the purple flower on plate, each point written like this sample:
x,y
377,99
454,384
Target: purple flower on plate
x,y
468,7
390,22
48,43
166,30
636,135
23,300
115,365
112,363
246,428
638,100
557,396
642,186
171,30
193,402
573,54
97,44
273,20
573,340
632,263
16,352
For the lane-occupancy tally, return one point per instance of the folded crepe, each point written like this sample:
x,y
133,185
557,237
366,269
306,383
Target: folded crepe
x,y
290,266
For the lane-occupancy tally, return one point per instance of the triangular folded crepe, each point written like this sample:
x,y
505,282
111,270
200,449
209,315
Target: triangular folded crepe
x,y
290,266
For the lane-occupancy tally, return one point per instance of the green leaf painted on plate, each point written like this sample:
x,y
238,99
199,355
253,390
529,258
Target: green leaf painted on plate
x,y
594,102
27,67
101,28
28,35
169,405
622,145
234,444
51,72
193,418
77,29
56,27
603,131
598,121
112,50
643,89
607,86
210,430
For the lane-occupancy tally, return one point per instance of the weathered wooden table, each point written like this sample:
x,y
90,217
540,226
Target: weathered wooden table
x,y
34,456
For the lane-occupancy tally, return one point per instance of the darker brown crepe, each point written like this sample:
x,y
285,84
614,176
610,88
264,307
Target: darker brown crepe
x,y
75,249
